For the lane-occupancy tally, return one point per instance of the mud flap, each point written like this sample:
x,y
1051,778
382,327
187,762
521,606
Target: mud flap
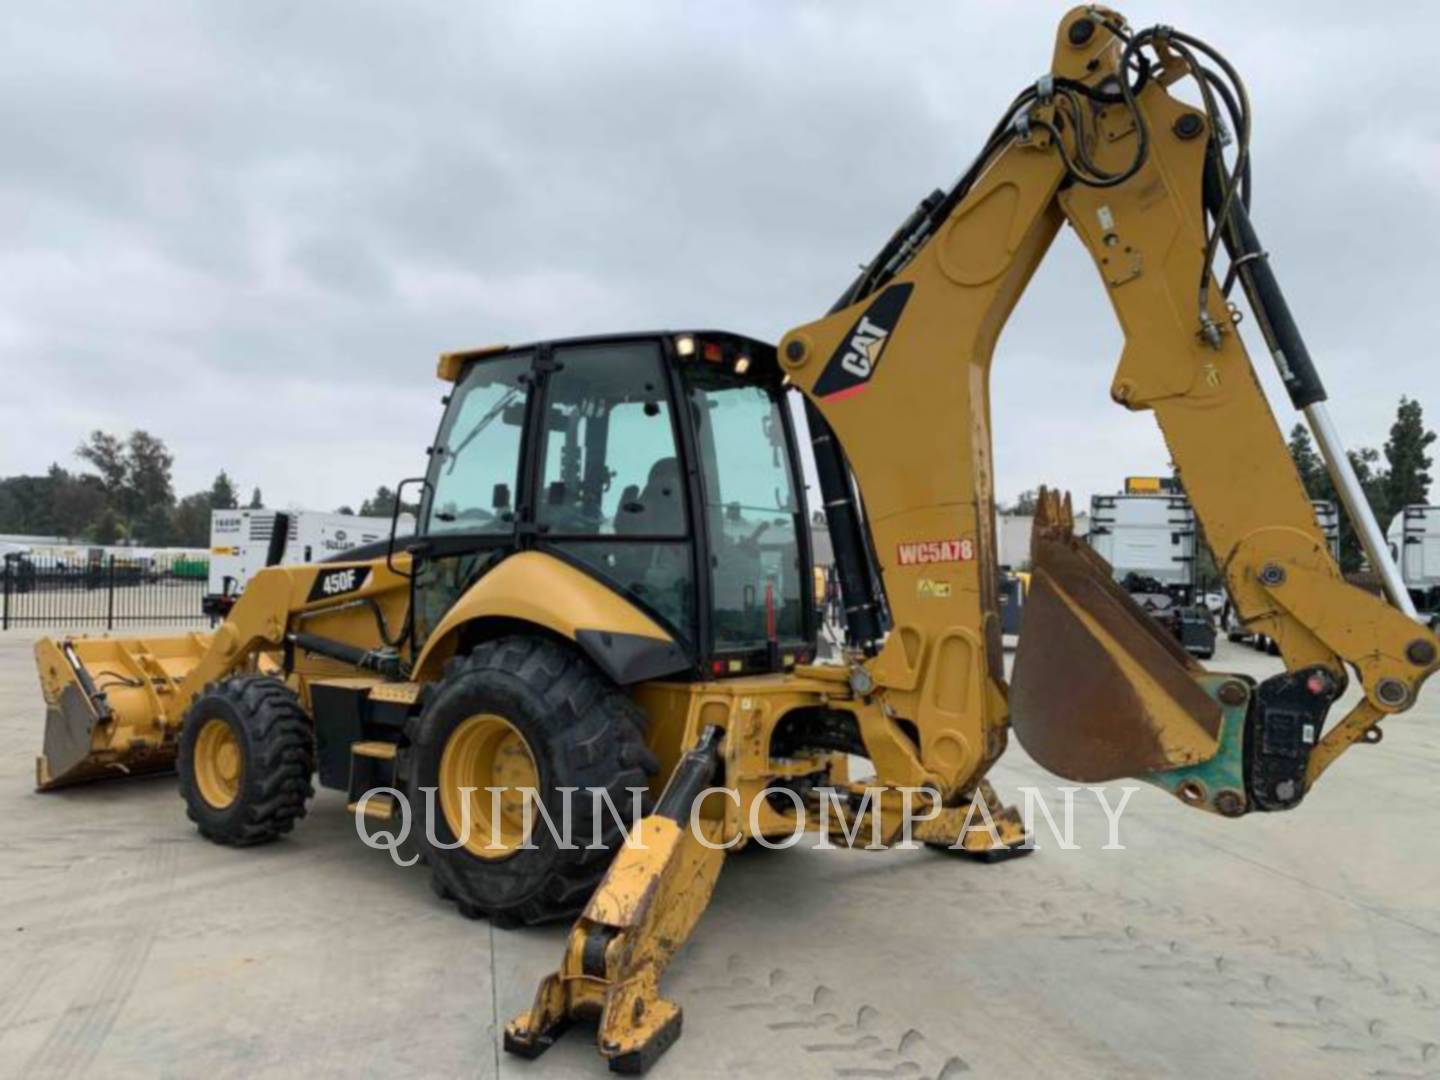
x,y
1100,691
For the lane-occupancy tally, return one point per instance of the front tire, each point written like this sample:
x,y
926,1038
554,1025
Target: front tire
x,y
523,712
246,756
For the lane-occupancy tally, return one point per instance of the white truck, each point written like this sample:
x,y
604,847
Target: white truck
x,y
1149,536
1327,516
1414,537
1149,540
243,542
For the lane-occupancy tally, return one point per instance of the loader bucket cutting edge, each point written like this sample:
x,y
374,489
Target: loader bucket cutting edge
x,y
112,705
1100,691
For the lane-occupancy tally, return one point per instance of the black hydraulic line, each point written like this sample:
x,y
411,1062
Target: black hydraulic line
x,y
1262,289
847,537
892,247
691,776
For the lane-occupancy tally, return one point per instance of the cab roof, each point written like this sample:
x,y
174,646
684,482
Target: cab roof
x,y
728,344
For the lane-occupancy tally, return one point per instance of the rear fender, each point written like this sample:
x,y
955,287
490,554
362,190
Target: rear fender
x,y
538,590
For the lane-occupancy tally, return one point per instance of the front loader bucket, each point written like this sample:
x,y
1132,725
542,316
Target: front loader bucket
x,y
1100,691
111,705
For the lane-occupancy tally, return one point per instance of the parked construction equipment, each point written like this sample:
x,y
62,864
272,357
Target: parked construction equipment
x,y
611,584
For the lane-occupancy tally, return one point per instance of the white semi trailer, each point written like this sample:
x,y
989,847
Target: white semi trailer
x,y
1149,536
1327,516
1414,537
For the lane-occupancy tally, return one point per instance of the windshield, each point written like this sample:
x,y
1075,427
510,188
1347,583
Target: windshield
x,y
751,510
475,466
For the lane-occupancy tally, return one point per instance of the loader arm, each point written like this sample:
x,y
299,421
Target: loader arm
x,y
898,376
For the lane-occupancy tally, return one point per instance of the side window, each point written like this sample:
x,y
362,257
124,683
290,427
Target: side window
x,y
475,467
750,510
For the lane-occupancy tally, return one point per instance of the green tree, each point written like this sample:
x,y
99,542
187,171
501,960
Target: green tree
x,y
106,529
135,474
1408,479
381,505
1308,464
75,501
26,506
190,524
1374,482
347,510
222,493
107,453
149,464
256,502
154,526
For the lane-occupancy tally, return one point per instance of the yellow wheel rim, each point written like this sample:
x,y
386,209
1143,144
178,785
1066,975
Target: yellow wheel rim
x,y
217,764
486,751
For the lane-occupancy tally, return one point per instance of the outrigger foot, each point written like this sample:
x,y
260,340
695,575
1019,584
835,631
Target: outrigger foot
x,y
644,910
994,835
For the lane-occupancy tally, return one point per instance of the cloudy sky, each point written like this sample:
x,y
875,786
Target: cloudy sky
x,y
250,227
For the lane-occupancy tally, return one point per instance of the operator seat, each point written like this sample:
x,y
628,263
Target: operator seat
x,y
660,508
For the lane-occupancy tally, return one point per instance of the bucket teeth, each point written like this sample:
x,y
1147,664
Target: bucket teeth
x,y
1100,691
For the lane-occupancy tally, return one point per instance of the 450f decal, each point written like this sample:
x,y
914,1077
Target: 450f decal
x,y
851,366
330,583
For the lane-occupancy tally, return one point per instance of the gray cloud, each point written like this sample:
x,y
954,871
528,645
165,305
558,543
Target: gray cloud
x,y
250,228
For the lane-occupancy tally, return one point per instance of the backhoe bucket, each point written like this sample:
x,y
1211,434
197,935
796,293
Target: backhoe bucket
x,y
1100,691
111,705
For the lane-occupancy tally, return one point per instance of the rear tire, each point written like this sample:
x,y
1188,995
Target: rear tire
x,y
248,741
552,717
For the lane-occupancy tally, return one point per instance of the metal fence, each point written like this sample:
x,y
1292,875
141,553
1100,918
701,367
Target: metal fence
x,y
106,592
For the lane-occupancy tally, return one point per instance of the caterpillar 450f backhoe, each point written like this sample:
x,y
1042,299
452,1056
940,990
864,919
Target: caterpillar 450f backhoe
x,y
611,583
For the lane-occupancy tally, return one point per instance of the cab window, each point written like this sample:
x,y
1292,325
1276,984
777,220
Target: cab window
x,y
751,510
612,494
475,468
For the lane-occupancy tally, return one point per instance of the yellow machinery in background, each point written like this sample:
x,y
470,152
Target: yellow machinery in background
x,y
611,586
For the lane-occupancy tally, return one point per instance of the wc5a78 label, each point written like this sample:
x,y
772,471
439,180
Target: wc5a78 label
x,y
927,552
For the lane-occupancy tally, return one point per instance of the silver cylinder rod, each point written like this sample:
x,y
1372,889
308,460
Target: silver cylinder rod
x,y
1357,506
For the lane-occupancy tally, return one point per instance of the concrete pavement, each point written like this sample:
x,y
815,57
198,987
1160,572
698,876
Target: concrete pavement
x,y
1294,944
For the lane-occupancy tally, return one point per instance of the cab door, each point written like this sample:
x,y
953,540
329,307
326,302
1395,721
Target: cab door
x,y
611,487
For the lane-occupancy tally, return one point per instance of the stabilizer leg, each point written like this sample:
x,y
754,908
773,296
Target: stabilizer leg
x,y
982,828
644,910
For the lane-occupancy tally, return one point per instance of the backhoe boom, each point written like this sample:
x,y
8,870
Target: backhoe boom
x,y
1128,167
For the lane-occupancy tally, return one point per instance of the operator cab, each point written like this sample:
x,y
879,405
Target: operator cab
x,y
662,464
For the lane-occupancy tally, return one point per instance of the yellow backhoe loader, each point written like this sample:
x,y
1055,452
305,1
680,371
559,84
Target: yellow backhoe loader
x,y
611,586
